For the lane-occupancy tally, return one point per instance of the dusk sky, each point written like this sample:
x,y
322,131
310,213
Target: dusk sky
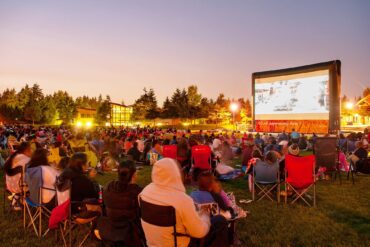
x,y
120,47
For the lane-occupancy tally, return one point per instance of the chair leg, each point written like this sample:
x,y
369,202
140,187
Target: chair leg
x,y
253,191
286,193
40,222
314,194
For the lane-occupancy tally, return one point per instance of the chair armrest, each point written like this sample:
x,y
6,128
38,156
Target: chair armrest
x,y
45,188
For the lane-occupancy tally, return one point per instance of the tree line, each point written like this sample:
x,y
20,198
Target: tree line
x,y
31,105
188,103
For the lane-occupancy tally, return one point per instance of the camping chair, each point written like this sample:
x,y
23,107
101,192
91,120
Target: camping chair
x,y
33,204
170,151
266,179
300,177
327,155
62,219
163,216
201,157
14,187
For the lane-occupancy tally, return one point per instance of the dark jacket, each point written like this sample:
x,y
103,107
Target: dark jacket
x,y
361,153
135,153
122,222
82,186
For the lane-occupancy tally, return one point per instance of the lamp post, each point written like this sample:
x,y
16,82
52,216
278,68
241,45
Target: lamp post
x,y
234,108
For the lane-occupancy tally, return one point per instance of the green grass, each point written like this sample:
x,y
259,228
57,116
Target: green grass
x,y
341,218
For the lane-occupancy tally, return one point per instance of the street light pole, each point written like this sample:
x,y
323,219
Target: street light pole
x,y
234,107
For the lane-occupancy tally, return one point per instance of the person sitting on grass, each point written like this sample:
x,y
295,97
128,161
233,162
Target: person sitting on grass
x,y
167,189
134,152
121,225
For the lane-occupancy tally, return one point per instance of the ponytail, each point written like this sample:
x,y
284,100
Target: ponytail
x,y
126,171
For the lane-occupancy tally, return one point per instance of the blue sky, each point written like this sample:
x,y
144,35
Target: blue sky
x,y
120,47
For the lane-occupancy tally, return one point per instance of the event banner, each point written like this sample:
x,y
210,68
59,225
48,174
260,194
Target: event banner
x,y
303,126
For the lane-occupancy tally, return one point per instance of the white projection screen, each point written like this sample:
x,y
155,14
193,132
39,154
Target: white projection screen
x,y
304,98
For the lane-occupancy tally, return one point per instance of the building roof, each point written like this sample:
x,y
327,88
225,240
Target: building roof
x,y
112,103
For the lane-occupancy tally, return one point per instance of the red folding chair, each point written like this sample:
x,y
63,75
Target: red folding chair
x,y
201,157
300,177
170,151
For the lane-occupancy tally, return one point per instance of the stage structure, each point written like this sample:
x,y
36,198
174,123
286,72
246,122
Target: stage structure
x,y
305,98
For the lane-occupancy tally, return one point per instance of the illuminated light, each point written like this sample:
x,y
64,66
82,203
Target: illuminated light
x,y
186,124
79,124
349,105
107,124
234,107
88,124
159,124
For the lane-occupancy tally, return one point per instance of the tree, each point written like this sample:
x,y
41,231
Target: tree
x,y
366,92
36,93
9,98
49,110
33,112
221,101
248,108
167,109
65,105
194,98
103,111
146,106
23,97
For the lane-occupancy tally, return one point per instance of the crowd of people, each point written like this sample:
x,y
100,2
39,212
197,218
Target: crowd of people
x,y
73,157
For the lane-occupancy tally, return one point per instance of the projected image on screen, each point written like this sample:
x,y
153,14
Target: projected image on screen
x,y
292,96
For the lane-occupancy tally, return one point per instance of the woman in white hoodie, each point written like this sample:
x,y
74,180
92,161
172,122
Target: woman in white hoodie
x,y
167,189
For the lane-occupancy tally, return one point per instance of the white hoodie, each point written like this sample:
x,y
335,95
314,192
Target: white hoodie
x,y
167,189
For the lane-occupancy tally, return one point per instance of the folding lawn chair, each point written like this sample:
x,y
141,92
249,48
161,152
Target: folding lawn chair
x,y
14,187
266,179
62,219
201,157
34,205
170,151
300,178
327,155
163,216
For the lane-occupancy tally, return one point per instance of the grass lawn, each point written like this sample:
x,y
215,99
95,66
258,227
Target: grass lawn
x,y
341,218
